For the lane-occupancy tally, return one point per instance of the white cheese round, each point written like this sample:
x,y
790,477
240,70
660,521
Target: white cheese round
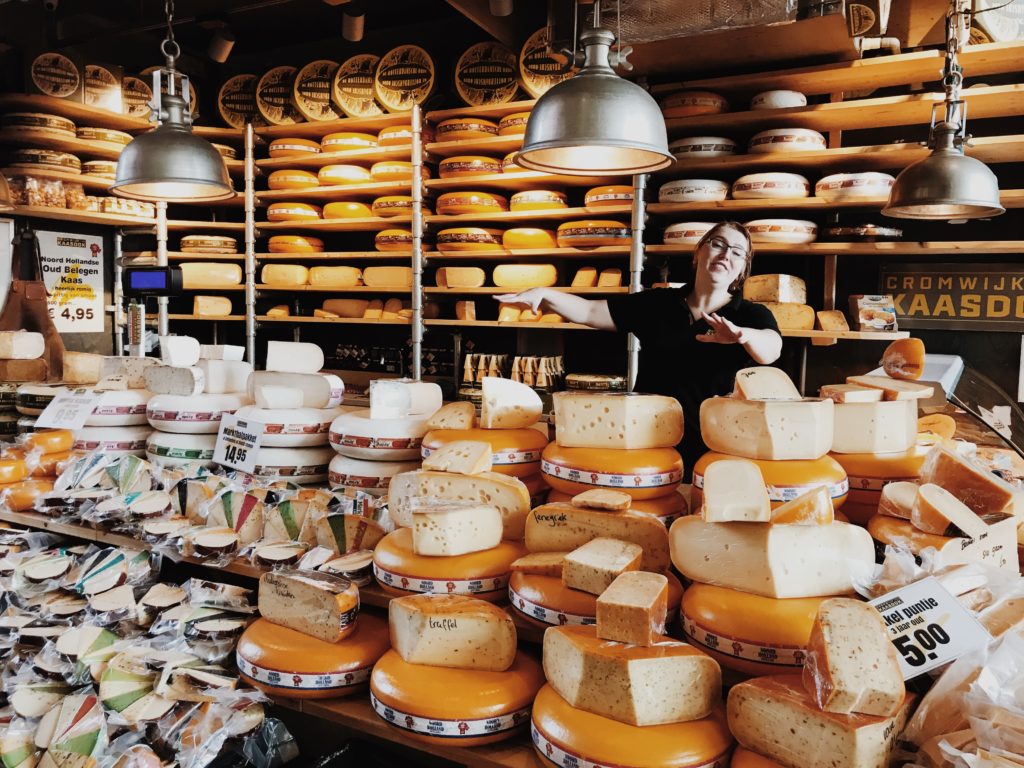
x,y
113,440
357,436
693,191
168,449
120,408
301,465
195,414
372,476
292,427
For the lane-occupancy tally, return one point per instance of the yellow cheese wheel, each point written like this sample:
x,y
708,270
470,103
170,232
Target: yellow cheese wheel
x,y
537,200
12,470
393,240
463,128
785,479
398,135
523,276
393,205
643,473
337,175
293,148
396,170
284,275
292,179
388,277
293,212
469,239
347,210
335,277
515,452
525,238
744,758
43,465
749,634
339,142
588,234
600,197
400,571
868,472
21,496
666,508
50,440
508,164
514,124
452,203
460,277
281,661
690,103
295,244
455,707
892,530
565,736
462,166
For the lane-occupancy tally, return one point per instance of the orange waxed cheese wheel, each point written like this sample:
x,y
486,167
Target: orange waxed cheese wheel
x,y
666,508
454,203
347,210
293,148
904,359
21,496
868,472
785,479
292,179
51,440
295,244
529,237
643,473
515,452
744,758
12,470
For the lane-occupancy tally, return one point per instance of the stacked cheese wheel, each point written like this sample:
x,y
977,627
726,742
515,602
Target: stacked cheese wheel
x,y
29,467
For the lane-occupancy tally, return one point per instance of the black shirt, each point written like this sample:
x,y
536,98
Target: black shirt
x,y
673,362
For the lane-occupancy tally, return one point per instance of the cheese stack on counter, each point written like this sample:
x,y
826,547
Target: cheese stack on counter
x,y
29,467
792,459
373,445
621,692
22,357
785,296
453,674
312,642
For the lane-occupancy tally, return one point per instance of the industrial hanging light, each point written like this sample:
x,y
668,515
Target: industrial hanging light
x,y
170,162
595,122
948,185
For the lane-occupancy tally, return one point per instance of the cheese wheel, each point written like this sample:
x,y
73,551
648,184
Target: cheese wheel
x,y
782,231
538,200
12,470
281,661
462,166
455,707
167,449
460,277
299,465
32,399
342,140
118,440
396,170
454,203
295,244
118,139
567,737
291,427
293,148
469,239
702,146
311,92
587,234
292,179
400,571
45,158
787,140
486,74
402,134
514,452
853,186
52,123
274,96
388,277
893,531
690,103
209,244
357,436
405,76
602,197
508,164
523,276
119,408
21,496
236,101
194,414
770,185
526,238
693,191
666,508
44,465
465,128
347,209
393,240
643,474
393,205
335,277
293,212
785,480
869,472
686,232
749,634
284,275
366,475
514,124
352,86
339,175
744,758
50,441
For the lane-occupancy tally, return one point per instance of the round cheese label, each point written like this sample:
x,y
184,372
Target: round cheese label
x,y
55,75
274,96
100,83
486,74
236,101
136,94
405,76
193,104
540,69
312,90
352,87
464,728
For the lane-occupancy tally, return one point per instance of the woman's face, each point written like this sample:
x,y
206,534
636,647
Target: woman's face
x,y
723,257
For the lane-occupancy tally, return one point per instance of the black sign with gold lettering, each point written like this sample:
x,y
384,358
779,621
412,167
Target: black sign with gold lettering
x,y
972,297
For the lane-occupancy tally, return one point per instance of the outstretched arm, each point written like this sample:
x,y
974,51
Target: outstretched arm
x,y
764,345
575,309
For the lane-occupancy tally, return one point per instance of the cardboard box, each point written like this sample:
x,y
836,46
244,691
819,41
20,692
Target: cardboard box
x,y
872,313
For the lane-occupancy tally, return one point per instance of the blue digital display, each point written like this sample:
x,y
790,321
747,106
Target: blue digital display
x,y
146,280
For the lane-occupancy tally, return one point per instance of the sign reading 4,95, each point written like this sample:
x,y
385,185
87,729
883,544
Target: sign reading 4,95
x,y
928,626
238,442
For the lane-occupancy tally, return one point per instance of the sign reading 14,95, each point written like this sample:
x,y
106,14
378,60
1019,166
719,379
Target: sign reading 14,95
x,y
928,626
238,442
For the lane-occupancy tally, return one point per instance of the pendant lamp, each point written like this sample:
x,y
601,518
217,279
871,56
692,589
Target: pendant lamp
x,y
170,162
596,123
947,185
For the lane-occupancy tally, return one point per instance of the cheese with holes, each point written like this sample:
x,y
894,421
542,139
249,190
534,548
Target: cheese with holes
x,y
318,390
768,429
811,508
514,452
454,631
617,421
315,604
936,510
445,530
633,609
335,277
359,435
294,357
398,398
643,473
463,457
765,382
508,404
461,415
666,683
211,306
460,277
593,566
776,717
904,359
224,376
520,277
387,277
783,288
982,491
21,345
284,275
852,666
734,490
173,380
883,427
893,389
791,316
851,393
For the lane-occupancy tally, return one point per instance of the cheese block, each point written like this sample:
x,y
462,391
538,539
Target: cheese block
x,y
463,707
940,424
292,179
342,140
335,277
610,278
852,666
463,457
938,511
593,566
229,352
210,274
642,473
318,605
484,574
211,306
338,175
284,275
280,310
786,288
982,491
591,233
812,508
462,166
294,357
469,239
768,429
345,307
585,277
765,382
772,560
82,367
515,452
773,185
669,682
734,490
453,416
881,427
537,200
513,124
566,736
357,435
397,398
454,631
294,211
508,494
21,345
616,421
179,350
904,359
291,427
453,203
279,660
225,376
460,277
295,244
560,527
393,205
446,530
387,277
850,393
893,389
693,191
776,717
347,210
509,313
791,316
831,320
507,404
462,128
371,476
196,414
166,449
318,390
869,472
633,609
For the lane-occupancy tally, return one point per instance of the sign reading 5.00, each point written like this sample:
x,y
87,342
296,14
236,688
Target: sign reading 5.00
x,y
238,442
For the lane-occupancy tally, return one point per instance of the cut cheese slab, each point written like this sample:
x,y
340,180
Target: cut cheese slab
x,y
851,393
316,604
294,357
669,682
598,498
936,510
211,306
904,359
618,421
897,499
461,415
82,367
765,382
776,717
893,389
221,352
541,564
387,277
463,457
179,351
21,345
455,631
768,429
445,530
210,274
852,666
811,508
508,404
982,491
883,427
734,490
791,316
283,275
831,320
772,560
318,390
593,566
633,609
172,380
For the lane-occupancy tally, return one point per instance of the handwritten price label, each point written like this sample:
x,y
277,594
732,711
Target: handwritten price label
x,y
69,409
238,442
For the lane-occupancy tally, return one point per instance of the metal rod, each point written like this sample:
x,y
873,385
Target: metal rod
x,y
161,261
118,294
417,243
250,245
636,269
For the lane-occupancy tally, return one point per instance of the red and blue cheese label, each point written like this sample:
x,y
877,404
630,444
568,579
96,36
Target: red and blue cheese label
x,y
285,681
451,729
442,586
612,479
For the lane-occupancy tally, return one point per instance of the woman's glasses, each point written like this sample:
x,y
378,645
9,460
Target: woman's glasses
x,y
735,252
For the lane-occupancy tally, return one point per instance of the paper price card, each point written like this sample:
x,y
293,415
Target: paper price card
x,y
238,442
69,409
928,626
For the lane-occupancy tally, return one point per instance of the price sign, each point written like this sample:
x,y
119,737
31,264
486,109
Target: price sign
x,y
238,442
69,409
928,626
73,273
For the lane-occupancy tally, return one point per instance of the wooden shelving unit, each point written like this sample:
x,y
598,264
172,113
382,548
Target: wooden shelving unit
x,y
513,217
495,145
208,318
493,291
89,182
319,129
517,325
182,256
188,225
519,181
1011,198
900,248
329,320
82,217
340,192
354,156
45,139
335,256
366,224
318,289
518,254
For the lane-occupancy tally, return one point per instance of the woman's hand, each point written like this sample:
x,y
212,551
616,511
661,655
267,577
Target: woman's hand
x,y
533,298
723,331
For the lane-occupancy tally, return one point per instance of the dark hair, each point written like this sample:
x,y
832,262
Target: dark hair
x,y
736,227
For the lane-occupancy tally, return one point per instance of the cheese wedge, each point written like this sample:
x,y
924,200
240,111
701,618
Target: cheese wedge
x,y
894,389
670,682
734,490
344,533
765,382
886,427
508,404
768,429
936,510
904,359
398,398
316,604
454,631
897,499
585,277
618,421
982,491
832,320
633,609
445,530
463,457
811,508
851,393
541,564
461,415
599,498
593,566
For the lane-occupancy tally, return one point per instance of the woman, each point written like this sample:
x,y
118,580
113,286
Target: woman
x,y
693,339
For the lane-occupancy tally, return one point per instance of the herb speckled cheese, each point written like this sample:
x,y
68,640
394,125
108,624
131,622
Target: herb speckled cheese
x,y
316,604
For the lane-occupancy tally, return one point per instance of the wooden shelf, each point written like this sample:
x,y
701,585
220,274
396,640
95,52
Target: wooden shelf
x,y
89,182
319,129
186,225
357,156
212,288
848,335
337,192
81,114
520,181
494,111
496,324
219,134
182,256
82,217
365,224
494,291
557,214
208,318
899,248
335,256
604,252
329,320
317,289
501,145
42,138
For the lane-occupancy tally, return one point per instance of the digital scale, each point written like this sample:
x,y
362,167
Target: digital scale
x,y
139,284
